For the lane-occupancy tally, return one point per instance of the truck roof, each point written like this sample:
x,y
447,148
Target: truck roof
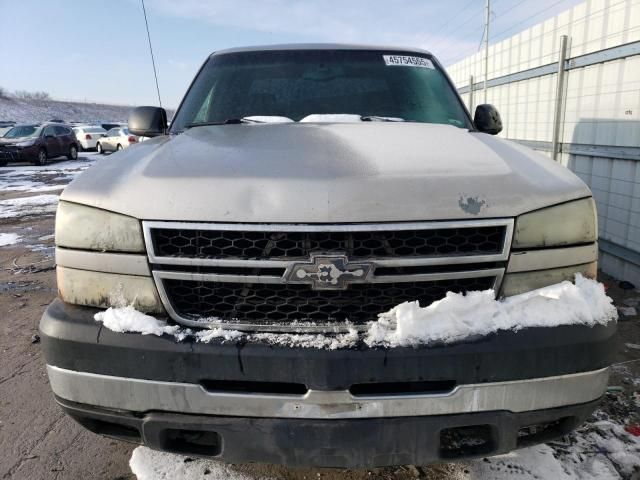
x,y
319,46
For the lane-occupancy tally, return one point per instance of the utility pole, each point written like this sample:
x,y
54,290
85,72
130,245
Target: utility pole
x,y
559,100
486,46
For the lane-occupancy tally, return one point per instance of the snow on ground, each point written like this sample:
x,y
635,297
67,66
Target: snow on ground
x,y
454,318
47,178
9,239
33,179
27,206
148,464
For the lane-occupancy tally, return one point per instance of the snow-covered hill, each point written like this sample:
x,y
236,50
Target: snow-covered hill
x,y
34,110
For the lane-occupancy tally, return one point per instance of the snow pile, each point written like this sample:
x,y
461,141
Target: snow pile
x,y
24,206
454,318
457,316
9,239
128,319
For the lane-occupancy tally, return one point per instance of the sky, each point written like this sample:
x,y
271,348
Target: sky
x,y
97,50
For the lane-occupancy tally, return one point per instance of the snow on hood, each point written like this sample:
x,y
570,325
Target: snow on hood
x,y
455,318
325,173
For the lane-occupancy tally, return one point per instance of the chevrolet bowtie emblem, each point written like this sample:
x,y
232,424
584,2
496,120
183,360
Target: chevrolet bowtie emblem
x,y
328,272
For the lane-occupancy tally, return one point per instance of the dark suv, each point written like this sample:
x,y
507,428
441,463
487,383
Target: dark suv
x,y
37,143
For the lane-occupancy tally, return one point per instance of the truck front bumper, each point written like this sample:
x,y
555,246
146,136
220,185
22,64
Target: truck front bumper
x,y
345,408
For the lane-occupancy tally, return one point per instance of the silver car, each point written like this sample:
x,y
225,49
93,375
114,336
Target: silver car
x,y
301,191
117,138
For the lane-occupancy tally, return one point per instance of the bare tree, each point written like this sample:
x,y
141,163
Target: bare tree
x,y
31,95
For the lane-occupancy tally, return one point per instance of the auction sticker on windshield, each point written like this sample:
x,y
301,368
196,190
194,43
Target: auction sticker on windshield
x,y
404,61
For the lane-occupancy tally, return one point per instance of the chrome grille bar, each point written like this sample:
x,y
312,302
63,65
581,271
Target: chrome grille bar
x,y
502,256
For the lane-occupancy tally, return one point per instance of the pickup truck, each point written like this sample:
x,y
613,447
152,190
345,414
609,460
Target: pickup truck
x,y
303,190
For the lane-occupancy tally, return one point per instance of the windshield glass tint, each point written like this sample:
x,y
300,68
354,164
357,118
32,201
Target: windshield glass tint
x,y
21,132
296,84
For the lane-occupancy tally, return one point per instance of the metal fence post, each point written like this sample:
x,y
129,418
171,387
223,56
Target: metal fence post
x,y
559,100
471,94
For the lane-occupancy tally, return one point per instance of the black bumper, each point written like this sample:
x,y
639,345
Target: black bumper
x,y
375,442
18,154
73,340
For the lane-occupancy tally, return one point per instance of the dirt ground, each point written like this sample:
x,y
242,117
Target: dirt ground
x,y
37,441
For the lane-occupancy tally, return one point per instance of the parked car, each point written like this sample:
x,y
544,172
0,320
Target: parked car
x,y
88,136
109,126
5,126
37,143
115,139
319,187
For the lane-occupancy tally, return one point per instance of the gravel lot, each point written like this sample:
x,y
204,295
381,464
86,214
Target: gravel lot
x,y
38,441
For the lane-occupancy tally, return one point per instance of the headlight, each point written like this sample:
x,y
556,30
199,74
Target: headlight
x,y
88,228
26,143
98,289
516,283
566,224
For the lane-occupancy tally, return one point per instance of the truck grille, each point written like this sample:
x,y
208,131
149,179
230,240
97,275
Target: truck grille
x,y
188,243
283,277
277,303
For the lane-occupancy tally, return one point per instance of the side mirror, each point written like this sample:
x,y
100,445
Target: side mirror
x,y
104,135
148,121
487,119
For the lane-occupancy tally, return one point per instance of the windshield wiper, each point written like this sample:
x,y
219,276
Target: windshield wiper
x,y
376,118
228,121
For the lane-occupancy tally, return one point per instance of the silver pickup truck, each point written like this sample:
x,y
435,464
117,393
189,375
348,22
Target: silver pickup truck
x,y
305,189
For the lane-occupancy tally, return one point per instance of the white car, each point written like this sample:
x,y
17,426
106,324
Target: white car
x,y
116,139
88,136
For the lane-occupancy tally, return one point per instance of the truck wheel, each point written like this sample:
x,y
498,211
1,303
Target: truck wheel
x,y
41,159
73,153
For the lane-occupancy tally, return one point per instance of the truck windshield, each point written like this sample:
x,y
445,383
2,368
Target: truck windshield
x,y
299,83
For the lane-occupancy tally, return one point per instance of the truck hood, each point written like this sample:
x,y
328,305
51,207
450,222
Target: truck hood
x,y
319,173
